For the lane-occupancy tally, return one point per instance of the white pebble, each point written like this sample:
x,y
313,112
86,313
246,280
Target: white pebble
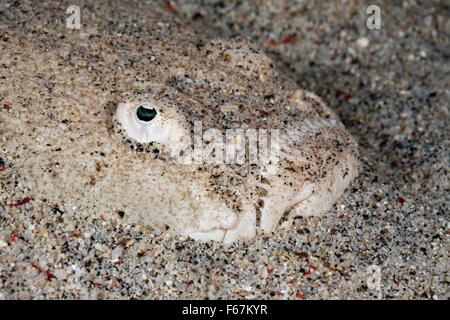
x,y
3,244
362,42
116,253
60,274
264,273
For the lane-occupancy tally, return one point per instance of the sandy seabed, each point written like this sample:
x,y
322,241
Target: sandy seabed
x,y
389,88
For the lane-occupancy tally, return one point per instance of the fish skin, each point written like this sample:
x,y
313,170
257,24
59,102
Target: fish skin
x,y
61,135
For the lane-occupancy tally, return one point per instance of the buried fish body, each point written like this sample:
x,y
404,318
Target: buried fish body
x,y
105,120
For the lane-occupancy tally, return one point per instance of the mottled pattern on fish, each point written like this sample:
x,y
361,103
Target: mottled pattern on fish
x,y
64,140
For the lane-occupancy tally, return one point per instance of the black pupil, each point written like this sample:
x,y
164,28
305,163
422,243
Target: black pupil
x,y
145,114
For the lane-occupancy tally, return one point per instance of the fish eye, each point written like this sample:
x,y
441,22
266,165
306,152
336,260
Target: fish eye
x,y
145,113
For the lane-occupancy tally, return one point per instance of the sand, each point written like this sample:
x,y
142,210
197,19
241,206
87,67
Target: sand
x,y
386,238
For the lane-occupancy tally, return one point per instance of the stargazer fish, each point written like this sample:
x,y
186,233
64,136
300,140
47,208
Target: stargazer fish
x,y
165,124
